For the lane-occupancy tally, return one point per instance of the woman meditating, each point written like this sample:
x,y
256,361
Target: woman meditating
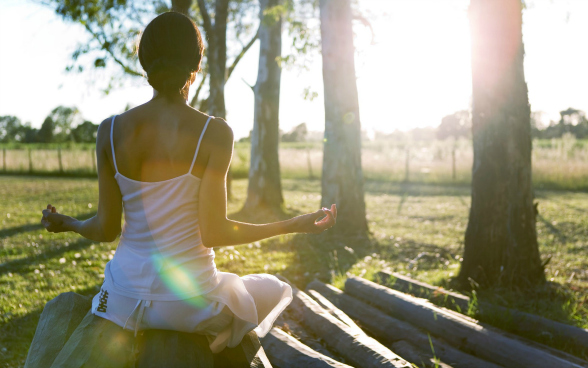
x,y
166,164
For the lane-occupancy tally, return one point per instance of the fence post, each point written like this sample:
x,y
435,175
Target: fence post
x,y
407,167
93,160
59,157
4,159
30,162
453,162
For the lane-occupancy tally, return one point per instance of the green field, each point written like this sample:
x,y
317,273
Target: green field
x,y
416,229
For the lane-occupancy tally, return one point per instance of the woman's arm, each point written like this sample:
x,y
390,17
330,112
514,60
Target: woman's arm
x,y
216,230
105,225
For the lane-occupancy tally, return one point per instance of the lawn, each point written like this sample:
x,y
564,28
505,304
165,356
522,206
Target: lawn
x,y
416,229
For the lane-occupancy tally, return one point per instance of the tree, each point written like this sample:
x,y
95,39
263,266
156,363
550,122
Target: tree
x,y
456,125
342,177
114,27
501,240
265,188
9,128
85,132
298,134
64,118
45,134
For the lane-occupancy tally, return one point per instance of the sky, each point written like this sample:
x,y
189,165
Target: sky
x,y
416,71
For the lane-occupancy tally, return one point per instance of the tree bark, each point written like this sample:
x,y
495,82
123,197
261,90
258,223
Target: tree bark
x,y
500,241
342,178
265,188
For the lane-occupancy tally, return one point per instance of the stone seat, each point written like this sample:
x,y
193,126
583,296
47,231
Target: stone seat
x,y
69,335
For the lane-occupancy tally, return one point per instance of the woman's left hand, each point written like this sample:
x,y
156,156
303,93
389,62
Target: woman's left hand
x,y
55,222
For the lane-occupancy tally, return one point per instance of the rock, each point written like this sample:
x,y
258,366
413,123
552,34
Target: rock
x,y
97,342
69,335
60,317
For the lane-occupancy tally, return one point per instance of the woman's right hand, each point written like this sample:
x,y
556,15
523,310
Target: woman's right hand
x,y
308,223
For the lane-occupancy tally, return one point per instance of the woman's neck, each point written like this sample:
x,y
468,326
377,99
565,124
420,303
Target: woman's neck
x,y
174,99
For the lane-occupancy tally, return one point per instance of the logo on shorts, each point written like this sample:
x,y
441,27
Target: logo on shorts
x,y
103,300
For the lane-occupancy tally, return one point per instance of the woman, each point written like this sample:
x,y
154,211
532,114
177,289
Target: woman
x,y
166,165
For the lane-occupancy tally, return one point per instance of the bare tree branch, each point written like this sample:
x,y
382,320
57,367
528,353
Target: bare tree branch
x,y
125,67
366,23
241,54
206,22
195,98
248,85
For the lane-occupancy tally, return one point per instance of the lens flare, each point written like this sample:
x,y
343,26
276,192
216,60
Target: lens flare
x,y
178,279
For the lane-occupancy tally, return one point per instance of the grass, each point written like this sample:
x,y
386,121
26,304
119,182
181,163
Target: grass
x,y
416,229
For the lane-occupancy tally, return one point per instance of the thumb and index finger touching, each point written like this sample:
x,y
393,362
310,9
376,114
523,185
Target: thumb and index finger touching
x,y
331,215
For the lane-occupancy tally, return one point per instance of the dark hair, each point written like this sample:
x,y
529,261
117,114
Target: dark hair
x,y
170,52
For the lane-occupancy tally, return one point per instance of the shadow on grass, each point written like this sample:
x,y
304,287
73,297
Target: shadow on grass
x,y
386,187
554,230
16,334
50,252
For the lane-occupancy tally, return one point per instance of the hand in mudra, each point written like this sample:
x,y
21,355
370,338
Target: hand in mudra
x,y
55,222
308,223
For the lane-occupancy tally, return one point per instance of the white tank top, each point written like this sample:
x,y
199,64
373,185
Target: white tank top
x,y
160,255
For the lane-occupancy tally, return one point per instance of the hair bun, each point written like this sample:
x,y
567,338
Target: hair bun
x,y
168,76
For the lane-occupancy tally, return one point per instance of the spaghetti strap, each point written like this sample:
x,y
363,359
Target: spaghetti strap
x,y
198,146
112,144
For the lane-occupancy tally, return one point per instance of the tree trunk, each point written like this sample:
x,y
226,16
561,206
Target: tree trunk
x,y
342,178
265,188
217,62
217,59
181,6
500,241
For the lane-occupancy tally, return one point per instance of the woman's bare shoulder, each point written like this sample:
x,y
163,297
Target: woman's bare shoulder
x,y
220,133
103,134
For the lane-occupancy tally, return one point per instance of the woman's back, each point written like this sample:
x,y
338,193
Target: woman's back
x,y
160,243
156,141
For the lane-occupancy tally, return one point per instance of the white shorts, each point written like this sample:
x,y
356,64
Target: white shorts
x,y
206,314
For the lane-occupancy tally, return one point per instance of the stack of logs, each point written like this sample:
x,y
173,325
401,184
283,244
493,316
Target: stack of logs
x,y
371,325
368,325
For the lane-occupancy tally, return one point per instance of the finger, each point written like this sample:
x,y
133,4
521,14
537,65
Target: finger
x,y
326,222
318,214
334,210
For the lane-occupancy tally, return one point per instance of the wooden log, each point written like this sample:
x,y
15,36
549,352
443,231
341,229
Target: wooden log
x,y
390,330
97,342
468,336
335,312
307,338
163,348
525,324
415,355
287,352
358,349
248,354
60,317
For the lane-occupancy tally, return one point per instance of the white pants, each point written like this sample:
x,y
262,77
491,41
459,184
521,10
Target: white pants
x,y
200,314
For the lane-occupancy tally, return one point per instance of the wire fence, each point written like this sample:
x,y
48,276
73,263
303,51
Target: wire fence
x,y
556,163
